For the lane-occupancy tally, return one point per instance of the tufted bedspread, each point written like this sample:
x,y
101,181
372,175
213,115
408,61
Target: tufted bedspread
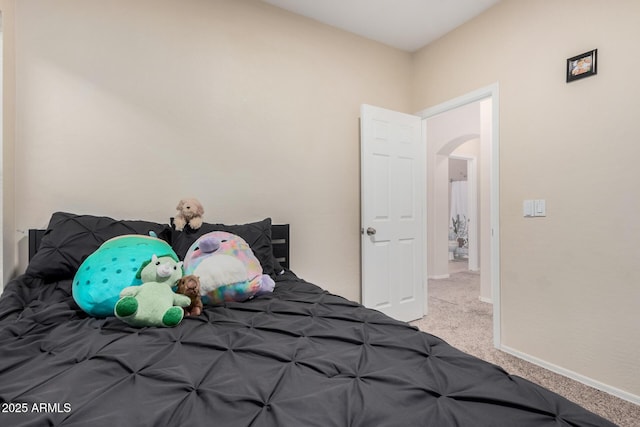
x,y
299,357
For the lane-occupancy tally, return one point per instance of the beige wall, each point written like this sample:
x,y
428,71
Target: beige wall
x,y
569,283
125,107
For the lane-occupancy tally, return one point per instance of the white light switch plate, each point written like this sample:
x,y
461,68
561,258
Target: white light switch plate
x,y
527,208
534,208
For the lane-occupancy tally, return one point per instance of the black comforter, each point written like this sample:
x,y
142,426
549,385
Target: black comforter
x,y
298,357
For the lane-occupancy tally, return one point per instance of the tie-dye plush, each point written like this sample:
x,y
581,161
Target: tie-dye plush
x,y
227,268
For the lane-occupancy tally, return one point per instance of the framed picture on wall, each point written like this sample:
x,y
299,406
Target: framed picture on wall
x,y
583,65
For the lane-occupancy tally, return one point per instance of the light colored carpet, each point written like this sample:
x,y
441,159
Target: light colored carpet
x,y
456,315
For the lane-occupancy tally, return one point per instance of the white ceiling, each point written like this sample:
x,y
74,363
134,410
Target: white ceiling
x,y
404,24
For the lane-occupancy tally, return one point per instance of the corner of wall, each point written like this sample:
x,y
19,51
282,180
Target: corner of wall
x,y
7,8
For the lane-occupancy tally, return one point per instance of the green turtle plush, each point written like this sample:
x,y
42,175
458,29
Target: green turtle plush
x,y
153,303
111,268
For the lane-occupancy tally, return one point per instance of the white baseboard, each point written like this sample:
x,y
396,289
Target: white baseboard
x,y
485,299
440,276
574,376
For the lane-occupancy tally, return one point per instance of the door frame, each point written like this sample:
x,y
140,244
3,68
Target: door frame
x,y
491,91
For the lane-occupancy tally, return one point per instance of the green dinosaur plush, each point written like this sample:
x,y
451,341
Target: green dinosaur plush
x,y
153,303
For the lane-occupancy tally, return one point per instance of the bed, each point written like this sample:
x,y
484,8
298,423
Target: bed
x,y
299,356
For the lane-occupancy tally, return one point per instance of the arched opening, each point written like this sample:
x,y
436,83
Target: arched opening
x,y
464,134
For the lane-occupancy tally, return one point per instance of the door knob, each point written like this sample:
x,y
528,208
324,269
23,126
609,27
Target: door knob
x,y
371,231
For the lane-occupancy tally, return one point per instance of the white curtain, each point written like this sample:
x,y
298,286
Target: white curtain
x,y
458,201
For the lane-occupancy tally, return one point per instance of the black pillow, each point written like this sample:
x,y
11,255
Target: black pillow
x,y
71,238
256,234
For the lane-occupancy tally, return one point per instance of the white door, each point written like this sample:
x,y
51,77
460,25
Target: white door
x,y
393,194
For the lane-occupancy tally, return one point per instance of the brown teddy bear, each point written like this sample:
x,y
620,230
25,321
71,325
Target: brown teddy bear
x,y
190,212
190,286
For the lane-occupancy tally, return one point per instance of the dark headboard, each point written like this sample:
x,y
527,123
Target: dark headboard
x,y
35,235
279,242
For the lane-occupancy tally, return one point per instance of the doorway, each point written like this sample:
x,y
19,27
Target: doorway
x,y
463,225
442,140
